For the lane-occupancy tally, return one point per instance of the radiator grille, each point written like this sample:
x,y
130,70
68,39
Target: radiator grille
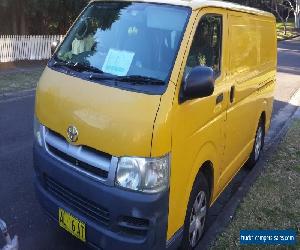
x,y
76,202
83,158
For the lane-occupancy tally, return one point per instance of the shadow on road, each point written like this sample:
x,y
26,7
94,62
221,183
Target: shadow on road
x,y
289,57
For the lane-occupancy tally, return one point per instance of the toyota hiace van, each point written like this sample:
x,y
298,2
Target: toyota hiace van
x,y
144,114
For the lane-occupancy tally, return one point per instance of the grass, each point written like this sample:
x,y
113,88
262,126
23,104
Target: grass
x,y
17,81
291,31
274,200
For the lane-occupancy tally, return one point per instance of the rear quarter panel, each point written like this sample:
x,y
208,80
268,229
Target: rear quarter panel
x,y
252,71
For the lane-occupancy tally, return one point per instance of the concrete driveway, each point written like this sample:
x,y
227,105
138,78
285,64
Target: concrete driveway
x,y
18,205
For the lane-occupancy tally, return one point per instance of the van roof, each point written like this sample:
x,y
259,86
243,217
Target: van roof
x,y
197,4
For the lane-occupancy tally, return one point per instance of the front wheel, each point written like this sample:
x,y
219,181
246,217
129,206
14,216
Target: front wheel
x,y
196,214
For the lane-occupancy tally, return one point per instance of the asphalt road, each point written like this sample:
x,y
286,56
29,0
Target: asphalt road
x,y
288,76
18,205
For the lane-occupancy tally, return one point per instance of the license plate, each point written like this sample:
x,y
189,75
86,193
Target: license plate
x,y
71,224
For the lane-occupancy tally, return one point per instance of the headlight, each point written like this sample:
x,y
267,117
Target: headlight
x,y
37,128
149,175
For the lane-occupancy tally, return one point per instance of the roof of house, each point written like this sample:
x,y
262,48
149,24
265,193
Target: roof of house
x,y
197,4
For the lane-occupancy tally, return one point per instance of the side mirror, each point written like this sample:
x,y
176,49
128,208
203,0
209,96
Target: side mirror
x,y
54,46
198,83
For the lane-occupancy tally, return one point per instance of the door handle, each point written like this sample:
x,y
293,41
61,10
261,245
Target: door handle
x,y
220,98
232,93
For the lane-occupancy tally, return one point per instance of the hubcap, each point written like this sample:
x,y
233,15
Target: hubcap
x,y
197,219
258,142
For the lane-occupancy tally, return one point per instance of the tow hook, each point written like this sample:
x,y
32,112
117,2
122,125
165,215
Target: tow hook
x,y
11,244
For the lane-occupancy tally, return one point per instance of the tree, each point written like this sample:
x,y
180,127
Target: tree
x,y
36,17
297,15
295,7
53,17
12,16
283,11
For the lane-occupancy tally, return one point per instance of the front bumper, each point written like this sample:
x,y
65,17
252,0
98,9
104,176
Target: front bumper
x,y
115,218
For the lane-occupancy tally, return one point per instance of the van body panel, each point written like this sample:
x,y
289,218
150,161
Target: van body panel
x,y
107,118
219,129
250,68
229,137
197,134
162,139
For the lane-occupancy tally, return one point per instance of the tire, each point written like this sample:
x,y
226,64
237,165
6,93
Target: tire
x,y
199,198
258,145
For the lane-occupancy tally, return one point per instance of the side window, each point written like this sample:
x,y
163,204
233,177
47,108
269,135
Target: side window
x,y
206,46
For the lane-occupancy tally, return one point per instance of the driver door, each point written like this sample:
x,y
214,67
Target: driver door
x,y
198,125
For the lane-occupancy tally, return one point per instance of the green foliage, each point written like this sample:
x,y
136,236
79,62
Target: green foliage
x,y
290,31
38,16
273,201
54,15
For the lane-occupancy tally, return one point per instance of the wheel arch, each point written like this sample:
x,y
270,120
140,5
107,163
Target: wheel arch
x,y
264,114
207,170
263,117
206,163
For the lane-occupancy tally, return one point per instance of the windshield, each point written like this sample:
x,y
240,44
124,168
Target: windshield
x,y
126,39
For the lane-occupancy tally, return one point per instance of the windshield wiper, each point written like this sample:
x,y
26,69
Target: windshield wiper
x,y
87,68
101,76
59,63
138,79
77,66
133,79
98,74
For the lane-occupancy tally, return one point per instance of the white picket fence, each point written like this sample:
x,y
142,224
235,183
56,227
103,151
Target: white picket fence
x,y
15,48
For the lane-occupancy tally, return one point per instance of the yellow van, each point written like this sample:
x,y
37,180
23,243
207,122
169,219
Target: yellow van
x,y
145,113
